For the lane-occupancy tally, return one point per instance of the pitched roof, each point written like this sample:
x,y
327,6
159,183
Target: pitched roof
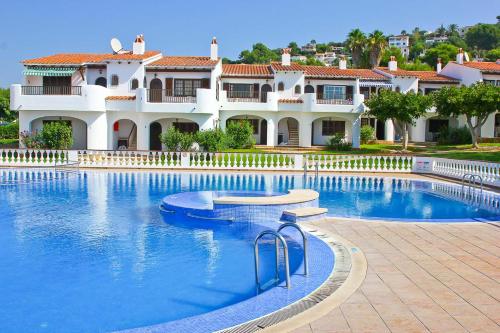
x,y
424,76
294,67
246,70
485,66
335,72
183,61
86,58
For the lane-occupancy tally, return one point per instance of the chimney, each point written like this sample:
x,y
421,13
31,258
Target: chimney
x,y
439,66
214,49
460,56
139,46
342,62
498,61
285,57
393,64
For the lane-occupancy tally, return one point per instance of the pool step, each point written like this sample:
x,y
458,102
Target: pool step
x,y
304,214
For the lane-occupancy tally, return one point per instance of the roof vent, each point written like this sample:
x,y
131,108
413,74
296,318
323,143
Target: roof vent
x,y
214,49
342,62
460,56
285,57
139,46
393,64
439,66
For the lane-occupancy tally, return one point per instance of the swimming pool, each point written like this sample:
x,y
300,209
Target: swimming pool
x,y
90,251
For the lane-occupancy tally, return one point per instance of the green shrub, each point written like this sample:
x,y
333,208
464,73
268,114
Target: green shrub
x,y
240,135
338,142
174,140
187,140
57,135
32,140
10,131
367,134
454,136
212,140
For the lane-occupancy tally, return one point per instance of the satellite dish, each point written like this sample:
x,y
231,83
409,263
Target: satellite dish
x,y
466,57
116,45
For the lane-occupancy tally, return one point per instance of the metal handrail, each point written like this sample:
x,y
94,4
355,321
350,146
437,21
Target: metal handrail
x,y
472,181
304,241
277,237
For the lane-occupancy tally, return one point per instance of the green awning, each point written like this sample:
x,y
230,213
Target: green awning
x,y
50,71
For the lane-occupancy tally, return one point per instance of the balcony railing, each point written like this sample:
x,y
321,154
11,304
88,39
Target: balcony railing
x,y
337,99
168,96
51,90
243,97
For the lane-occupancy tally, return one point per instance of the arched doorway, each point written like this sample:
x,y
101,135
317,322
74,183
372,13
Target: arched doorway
x,y
288,132
326,127
263,132
78,128
263,92
154,136
124,135
101,81
155,91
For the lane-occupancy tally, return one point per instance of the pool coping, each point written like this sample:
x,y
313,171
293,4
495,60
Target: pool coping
x,y
347,276
292,197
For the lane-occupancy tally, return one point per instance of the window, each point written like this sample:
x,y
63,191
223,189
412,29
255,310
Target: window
x,y
334,92
186,127
114,80
240,90
101,81
331,127
186,87
281,86
492,82
398,89
309,89
134,84
435,125
427,91
298,89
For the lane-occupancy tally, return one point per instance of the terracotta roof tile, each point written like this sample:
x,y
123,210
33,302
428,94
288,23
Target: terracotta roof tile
x,y
186,61
294,67
246,70
484,66
335,72
120,98
427,76
290,101
86,58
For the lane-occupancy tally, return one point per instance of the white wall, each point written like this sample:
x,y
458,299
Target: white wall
x,y
126,72
290,80
319,139
78,127
466,75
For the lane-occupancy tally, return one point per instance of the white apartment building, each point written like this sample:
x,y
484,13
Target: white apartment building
x,y
125,100
402,42
436,39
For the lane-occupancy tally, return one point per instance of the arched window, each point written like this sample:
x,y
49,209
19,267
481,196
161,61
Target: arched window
x,y
298,89
101,81
145,83
134,84
281,86
309,89
114,80
398,89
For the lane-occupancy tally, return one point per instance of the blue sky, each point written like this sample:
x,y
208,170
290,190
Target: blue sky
x,y
37,28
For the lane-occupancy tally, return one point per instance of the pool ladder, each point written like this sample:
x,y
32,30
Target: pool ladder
x,y
278,238
316,169
471,178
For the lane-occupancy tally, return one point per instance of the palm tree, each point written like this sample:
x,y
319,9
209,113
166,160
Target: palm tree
x,y
377,42
441,31
453,29
356,42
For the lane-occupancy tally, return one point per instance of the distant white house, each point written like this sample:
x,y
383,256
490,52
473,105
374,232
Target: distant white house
x,y
328,58
402,42
436,39
309,48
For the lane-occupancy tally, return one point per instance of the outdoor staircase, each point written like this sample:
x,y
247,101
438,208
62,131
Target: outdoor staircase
x,y
131,140
293,137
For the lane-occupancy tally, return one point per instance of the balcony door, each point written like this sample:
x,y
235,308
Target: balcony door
x,y
264,90
57,85
155,90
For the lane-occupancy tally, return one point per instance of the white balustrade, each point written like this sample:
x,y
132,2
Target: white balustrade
x,y
360,163
489,172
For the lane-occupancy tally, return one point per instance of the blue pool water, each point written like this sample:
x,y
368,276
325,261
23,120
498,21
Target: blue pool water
x,y
90,251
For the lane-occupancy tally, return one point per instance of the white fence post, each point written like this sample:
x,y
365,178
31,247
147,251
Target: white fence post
x,y
185,160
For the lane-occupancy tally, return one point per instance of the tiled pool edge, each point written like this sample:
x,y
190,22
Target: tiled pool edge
x,y
346,277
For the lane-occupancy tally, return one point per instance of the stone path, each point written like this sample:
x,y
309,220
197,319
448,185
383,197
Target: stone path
x,y
420,278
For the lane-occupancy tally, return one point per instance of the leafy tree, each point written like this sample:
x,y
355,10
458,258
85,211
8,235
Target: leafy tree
x,y
229,61
444,51
260,54
295,48
240,134
441,31
475,102
367,134
483,36
311,61
392,51
377,42
416,66
453,29
492,55
416,49
322,48
403,108
57,135
5,112
356,42
457,41
403,32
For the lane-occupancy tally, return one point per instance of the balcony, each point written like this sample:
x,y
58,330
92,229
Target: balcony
x,y
245,97
51,90
344,99
168,96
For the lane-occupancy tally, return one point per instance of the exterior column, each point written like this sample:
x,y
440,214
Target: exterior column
x,y
389,130
209,123
271,132
24,125
488,129
142,135
356,131
417,131
97,133
305,131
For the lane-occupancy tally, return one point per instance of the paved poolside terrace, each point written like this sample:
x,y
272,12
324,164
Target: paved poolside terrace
x,y
420,277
